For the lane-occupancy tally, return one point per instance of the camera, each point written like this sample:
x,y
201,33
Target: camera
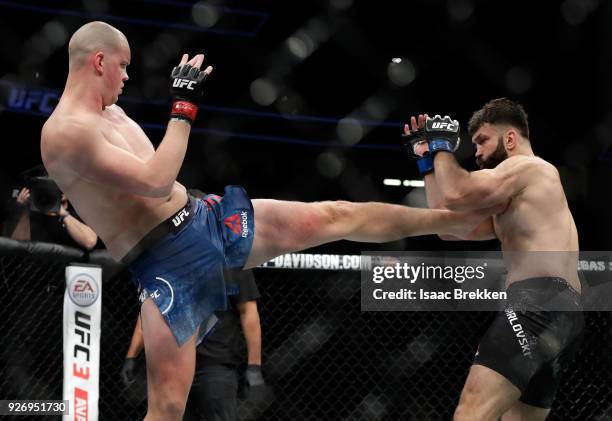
x,y
45,196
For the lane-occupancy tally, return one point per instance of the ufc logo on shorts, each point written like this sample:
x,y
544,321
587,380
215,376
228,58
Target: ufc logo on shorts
x,y
181,83
178,219
443,125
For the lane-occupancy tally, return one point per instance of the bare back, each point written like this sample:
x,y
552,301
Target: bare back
x,y
120,218
537,232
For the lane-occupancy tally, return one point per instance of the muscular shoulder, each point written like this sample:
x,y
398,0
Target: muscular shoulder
x,y
522,165
529,173
62,137
115,114
115,110
56,129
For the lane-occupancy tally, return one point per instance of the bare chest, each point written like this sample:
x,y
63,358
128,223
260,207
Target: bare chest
x,y
124,133
525,217
505,222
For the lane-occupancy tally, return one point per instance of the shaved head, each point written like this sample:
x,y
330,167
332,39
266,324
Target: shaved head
x,y
93,37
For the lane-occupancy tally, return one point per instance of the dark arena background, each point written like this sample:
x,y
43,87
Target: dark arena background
x,y
307,102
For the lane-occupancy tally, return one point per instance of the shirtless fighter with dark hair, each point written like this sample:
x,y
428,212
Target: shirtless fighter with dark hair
x,y
518,365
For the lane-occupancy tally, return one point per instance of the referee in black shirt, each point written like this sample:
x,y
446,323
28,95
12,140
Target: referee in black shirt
x,y
215,384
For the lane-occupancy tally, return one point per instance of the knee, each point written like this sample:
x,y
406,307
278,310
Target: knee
x,y
316,223
166,409
463,413
324,217
468,408
338,219
338,211
466,411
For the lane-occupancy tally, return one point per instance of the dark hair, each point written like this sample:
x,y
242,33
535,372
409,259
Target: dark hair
x,y
500,111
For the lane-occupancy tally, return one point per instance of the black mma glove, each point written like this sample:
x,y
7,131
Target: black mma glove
x,y
186,88
254,376
128,371
425,162
442,134
256,390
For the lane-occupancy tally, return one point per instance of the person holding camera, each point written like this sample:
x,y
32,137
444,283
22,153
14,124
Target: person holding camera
x,y
53,222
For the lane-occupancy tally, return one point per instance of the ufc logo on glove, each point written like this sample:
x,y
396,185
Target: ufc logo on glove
x,y
181,83
443,125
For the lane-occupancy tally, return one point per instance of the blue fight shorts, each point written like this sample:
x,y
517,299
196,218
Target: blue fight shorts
x,y
180,263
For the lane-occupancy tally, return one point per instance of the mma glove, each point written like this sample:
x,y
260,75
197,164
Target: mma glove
x,y
128,371
411,141
256,390
186,88
254,376
442,134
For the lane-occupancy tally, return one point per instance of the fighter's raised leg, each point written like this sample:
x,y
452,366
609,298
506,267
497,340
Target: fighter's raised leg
x,y
284,227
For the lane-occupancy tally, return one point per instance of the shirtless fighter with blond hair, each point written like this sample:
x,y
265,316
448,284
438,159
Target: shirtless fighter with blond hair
x,y
176,247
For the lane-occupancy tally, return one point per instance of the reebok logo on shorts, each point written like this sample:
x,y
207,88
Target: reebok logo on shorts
x,y
245,224
233,223
521,337
238,223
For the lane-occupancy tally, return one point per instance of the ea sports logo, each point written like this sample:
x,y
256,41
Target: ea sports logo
x,y
83,290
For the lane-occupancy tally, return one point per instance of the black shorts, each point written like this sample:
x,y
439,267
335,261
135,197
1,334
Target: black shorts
x,y
533,339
